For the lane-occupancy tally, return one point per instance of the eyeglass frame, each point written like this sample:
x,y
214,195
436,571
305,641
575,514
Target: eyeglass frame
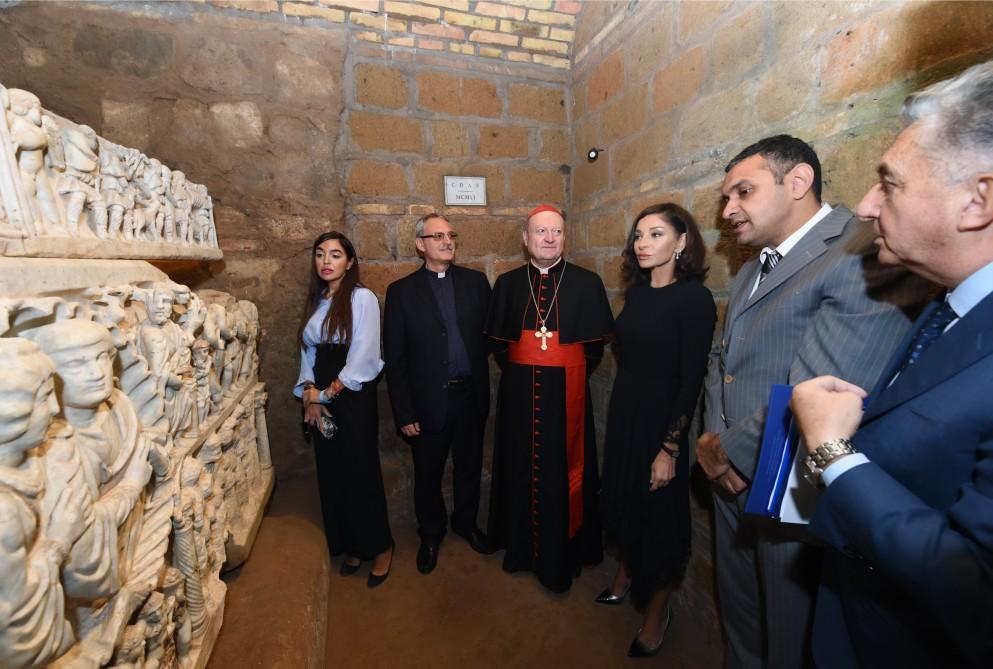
x,y
441,236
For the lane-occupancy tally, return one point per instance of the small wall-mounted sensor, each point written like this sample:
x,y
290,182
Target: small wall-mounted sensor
x,y
593,154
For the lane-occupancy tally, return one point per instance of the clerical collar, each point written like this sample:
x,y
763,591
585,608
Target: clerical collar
x,y
440,275
546,270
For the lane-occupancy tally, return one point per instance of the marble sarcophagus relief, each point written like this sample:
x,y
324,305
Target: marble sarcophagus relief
x,y
134,457
69,193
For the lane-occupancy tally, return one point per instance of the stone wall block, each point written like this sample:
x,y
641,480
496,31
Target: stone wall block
x,y
372,239
222,67
708,205
303,79
495,174
901,41
377,276
503,141
480,98
534,185
501,10
625,116
679,81
606,80
843,182
642,154
537,102
490,37
738,44
370,178
380,86
379,132
609,229
554,146
311,12
132,53
588,178
546,45
412,10
524,29
470,21
695,16
127,123
551,18
485,236
438,30
714,120
450,139
239,124
450,94
785,90
651,45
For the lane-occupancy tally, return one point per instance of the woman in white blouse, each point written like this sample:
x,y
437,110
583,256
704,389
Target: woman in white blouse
x,y
339,366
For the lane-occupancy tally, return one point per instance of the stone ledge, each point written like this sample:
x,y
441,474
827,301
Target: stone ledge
x,y
77,247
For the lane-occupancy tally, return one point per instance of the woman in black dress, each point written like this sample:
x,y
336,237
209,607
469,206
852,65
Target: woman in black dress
x,y
339,367
663,335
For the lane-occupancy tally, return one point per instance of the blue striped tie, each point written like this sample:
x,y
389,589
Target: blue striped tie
x,y
932,328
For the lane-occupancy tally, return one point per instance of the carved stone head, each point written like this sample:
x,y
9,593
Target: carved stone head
x,y
83,353
160,306
27,397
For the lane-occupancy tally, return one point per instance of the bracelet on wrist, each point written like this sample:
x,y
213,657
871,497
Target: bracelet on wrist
x,y
671,452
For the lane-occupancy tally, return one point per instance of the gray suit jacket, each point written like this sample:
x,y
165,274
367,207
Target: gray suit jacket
x,y
827,308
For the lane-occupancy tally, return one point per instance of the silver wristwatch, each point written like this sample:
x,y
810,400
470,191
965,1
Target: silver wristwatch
x,y
823,455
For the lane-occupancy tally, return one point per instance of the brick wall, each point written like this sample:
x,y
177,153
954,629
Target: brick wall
x,y
672,91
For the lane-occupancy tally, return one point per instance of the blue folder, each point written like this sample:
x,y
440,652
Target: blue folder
x,y
779,444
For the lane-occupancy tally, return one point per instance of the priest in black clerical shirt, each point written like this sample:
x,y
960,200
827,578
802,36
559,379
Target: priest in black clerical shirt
x,y
438,377
549,320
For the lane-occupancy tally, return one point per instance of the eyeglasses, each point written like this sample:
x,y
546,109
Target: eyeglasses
x,y
440,236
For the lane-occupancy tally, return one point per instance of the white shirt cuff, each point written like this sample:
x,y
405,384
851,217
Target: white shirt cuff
x,y
842,465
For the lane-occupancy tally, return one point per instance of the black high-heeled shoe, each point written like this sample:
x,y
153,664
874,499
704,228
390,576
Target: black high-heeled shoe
x,y
608,598
349,569
638,649
376,580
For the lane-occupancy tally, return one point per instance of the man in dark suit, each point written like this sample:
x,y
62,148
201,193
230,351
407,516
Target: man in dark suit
x,y
439,382
908,504
813,301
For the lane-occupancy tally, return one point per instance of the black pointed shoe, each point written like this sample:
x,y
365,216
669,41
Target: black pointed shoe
x,y
638,649
608,598
376,580
427,557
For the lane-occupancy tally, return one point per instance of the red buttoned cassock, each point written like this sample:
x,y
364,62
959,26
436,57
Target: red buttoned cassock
x,y
543,501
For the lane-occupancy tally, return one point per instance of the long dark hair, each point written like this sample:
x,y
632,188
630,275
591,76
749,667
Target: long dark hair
x,y
339,318
690,264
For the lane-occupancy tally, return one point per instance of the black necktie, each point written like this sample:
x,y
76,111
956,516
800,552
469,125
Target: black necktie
x,y
772,259
932,328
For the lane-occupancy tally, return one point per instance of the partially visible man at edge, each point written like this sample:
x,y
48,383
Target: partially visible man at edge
x,y
908,507
813,301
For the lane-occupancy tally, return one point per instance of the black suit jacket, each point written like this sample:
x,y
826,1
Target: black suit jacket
x,y
416,349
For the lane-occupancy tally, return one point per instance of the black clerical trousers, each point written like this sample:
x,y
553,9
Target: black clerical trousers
x,y
462,434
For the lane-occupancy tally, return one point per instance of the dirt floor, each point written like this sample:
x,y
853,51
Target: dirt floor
x,y
467,613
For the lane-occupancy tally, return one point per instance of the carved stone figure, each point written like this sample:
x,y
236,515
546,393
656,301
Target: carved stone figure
x,y
166,347
182,201
30,141
35,628
115,193
79,183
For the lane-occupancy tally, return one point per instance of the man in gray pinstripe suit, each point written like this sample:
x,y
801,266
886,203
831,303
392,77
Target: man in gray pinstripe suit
x,y
814,301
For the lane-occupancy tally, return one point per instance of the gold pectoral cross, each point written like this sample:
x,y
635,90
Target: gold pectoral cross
x,y
544,334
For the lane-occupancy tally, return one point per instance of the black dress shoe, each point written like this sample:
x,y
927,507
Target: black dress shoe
x,y
610,599
427,557
349,569
638,649
477,541
376,580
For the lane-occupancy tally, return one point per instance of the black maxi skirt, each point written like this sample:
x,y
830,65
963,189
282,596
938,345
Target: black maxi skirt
x,y
349,477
